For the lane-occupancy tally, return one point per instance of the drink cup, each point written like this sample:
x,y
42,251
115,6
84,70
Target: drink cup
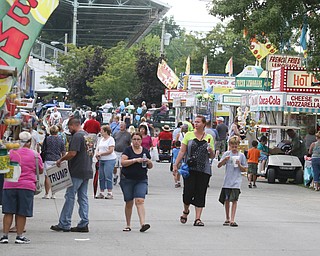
x,y
234,160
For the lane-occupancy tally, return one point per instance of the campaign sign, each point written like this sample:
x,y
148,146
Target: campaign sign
x,y
59,177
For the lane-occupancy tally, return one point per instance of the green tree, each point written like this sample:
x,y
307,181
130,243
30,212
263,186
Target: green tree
x,y
278,21
119,80
151,88
79,66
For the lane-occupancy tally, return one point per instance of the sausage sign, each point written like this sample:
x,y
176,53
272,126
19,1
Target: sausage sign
x,y
59,177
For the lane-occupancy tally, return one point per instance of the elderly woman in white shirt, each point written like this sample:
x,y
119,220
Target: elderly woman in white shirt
x,y
107,160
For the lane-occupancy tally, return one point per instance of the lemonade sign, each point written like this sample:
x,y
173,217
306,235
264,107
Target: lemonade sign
x,y
19,28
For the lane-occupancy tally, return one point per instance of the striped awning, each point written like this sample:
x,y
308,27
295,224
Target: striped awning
x,y
303,110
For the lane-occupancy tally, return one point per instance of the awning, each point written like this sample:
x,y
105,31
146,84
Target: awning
x,y
48,90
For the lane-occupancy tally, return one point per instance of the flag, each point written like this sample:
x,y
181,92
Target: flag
x,y
4,8
19,28
303,38
258,50
270,48
188,66
229,67
167,76
205,66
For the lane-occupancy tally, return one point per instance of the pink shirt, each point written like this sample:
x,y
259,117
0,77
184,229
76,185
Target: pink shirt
x,y
26,158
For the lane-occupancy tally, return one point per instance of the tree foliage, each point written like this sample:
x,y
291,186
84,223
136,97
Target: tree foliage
x,y
151,88
119,80
79,66
277,21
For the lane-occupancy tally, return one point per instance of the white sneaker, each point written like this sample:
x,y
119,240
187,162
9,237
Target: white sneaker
x,y
53,196
4,240
109,196
46,197
22,240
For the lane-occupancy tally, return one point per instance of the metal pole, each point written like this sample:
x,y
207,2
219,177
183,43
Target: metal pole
x,y
74,28
65,43
162,39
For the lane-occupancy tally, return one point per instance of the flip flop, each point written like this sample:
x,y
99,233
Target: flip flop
x,y
144,227
127,229
226,223
14,230
233,224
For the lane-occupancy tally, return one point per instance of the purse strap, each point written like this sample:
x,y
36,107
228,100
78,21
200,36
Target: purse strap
x,y
37,165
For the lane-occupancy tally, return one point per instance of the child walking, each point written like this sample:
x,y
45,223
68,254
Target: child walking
x,y
253,160
175,153
235,163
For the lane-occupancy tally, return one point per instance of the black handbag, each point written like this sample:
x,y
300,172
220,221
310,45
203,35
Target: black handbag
x,y
43,149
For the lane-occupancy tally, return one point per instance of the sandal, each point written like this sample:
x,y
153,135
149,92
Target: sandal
x,y
144,227
198,223
127,229
226,223
233,224
183,220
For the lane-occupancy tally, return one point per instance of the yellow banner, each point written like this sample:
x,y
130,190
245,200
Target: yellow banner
x,y
167,76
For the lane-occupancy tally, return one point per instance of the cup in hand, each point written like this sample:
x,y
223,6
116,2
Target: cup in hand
x,y
234,160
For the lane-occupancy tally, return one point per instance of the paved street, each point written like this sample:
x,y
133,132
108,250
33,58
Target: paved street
x,y
274,219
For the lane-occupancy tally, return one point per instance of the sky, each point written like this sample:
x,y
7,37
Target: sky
x,y
191,14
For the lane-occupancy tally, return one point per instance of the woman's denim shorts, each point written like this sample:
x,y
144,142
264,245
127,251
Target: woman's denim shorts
x,y
133,188
18,201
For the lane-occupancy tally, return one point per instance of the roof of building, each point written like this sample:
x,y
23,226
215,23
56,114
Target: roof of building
x,y
106,22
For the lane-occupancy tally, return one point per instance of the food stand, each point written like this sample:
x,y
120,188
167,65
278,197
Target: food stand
x,y
302,100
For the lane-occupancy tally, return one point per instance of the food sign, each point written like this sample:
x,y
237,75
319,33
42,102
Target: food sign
x,y
295,80
303,101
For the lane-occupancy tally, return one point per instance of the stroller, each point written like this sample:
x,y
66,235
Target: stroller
x,y
164,150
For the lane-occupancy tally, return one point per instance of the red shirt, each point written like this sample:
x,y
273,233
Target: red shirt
x,y
165,135
92,126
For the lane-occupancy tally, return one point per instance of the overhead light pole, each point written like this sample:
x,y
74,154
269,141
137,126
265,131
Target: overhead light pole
x,y
64,44
75,20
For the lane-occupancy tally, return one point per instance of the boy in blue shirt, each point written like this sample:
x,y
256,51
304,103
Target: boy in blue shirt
x,y
175,153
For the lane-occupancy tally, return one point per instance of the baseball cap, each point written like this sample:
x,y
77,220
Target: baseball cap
x,y
220,119
24,136
94,114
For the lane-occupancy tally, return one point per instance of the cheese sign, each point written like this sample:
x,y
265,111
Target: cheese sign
x,y
59,177
303,101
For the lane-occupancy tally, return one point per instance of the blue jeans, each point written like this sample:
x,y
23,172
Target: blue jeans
x,y
316,168
106,173
80,187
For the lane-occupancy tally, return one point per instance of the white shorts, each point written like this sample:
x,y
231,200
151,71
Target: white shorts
x,y
118,160
46,165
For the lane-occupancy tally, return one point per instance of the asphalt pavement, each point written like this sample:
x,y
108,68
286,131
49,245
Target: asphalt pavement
x,y
274,219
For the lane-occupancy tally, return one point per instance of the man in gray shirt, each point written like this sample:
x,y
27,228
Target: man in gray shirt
x,y
80,167
123,140
222,130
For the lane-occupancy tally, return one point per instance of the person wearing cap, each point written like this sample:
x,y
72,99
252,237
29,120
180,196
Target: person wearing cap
x,y
221,142
92,125
18,196
55,117
165,134
144,106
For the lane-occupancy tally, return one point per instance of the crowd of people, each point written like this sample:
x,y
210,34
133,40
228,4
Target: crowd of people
x,y
123,152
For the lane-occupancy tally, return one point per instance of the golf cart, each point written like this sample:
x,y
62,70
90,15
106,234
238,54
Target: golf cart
x,y
279,165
